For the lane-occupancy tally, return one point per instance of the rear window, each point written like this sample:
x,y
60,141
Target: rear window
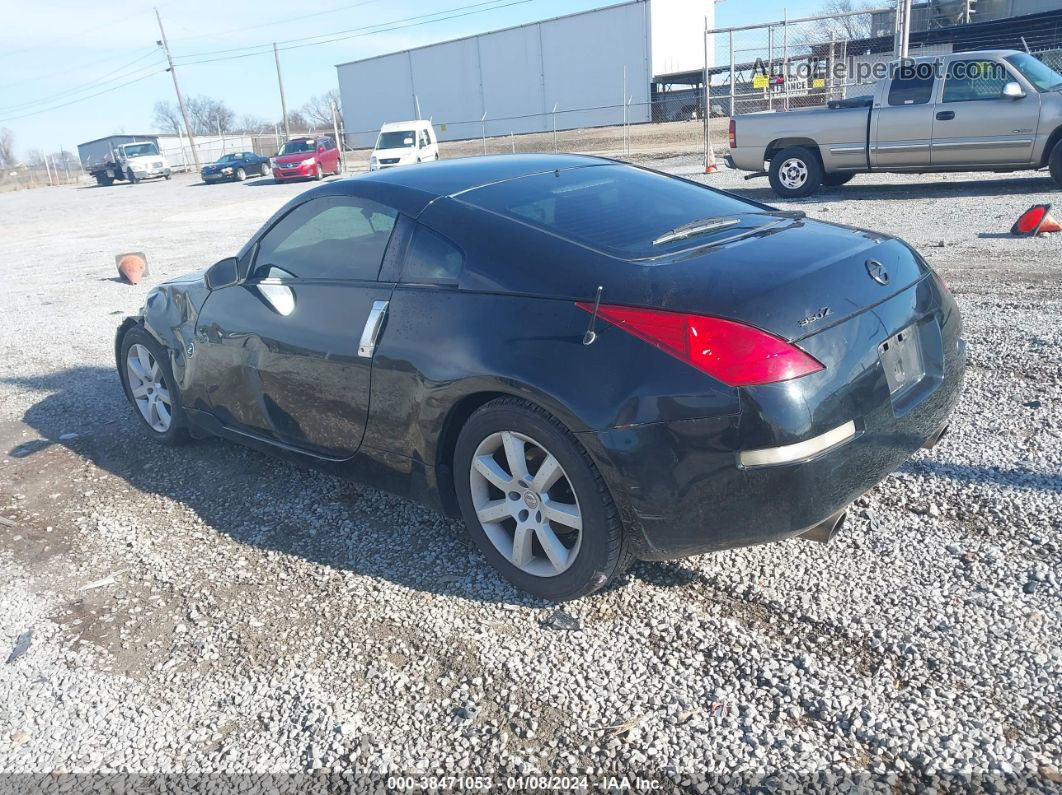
x,y
617,209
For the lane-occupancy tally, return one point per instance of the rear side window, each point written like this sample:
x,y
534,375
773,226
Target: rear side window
x,y
913,90
613,208
432,259
334,237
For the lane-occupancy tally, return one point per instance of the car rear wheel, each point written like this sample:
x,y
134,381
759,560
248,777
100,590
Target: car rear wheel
x,y
1055,164
795,172
150,386
241,175
534,503
836,180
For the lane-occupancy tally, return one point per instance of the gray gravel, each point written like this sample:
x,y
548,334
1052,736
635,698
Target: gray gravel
x,y
208,609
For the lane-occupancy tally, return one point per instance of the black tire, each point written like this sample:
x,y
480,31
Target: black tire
x,y
131,177
263,170
241,175
1055,163
836,180
603,552
167,176
177,433
104,180
318,173
796,158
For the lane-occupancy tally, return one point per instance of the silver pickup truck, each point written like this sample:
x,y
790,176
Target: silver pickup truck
x,y
996,110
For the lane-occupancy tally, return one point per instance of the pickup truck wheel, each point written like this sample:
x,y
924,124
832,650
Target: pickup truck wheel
x,y
795,172
1055,164
264,170
241,175
836,180
131,177
104,180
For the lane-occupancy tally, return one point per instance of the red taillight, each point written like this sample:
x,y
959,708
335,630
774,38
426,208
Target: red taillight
x,y
736,354
733,134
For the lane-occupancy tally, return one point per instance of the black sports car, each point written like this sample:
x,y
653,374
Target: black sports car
x,y
587,361
236,166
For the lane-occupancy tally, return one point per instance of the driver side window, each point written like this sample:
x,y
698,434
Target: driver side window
x,y
333,237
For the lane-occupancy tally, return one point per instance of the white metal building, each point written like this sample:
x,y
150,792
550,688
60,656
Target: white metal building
x,y
511,80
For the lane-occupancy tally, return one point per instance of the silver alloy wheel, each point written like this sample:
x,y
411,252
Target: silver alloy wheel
x,y
793,173
533,520
149,388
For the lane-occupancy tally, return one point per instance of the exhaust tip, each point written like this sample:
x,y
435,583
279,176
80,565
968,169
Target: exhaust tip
x,y
933,440
826,529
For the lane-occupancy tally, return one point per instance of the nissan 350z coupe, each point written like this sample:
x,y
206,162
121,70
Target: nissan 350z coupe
x,y
588,362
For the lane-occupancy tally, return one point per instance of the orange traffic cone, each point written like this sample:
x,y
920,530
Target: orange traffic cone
x,y
1037,220
710,167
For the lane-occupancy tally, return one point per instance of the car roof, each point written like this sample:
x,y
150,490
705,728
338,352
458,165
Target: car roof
x,y
448,177
404,125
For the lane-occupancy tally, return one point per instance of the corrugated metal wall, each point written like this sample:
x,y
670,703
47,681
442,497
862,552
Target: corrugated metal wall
x,y
515,76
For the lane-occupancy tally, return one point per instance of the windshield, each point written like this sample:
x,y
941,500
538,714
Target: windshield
x,y
226,159
298,147
1036,72
626,211
140,150
399,139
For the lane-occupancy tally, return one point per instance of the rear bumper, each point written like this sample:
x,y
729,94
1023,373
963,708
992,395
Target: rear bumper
x,y
681,487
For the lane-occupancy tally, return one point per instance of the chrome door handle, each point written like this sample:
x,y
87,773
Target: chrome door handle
x,y
371,332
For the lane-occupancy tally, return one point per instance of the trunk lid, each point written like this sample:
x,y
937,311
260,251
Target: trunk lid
x,y
793,279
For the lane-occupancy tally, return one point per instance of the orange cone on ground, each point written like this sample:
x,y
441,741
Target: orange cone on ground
x,y
132,267
710,167
1037,220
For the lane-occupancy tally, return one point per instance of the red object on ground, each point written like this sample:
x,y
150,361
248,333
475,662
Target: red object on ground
x,y
132,267
1034,221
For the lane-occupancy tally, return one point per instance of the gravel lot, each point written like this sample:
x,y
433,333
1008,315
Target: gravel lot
x,y
208,609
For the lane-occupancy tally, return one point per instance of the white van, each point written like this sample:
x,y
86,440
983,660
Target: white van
x,y
403,143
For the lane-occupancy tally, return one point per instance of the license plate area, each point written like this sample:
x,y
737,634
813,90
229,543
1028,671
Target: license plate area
x,y
903,361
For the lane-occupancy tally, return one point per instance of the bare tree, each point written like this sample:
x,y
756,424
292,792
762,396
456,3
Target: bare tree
x,y
843,28
167,118
207,114
251,124
7,148
318,111
297,121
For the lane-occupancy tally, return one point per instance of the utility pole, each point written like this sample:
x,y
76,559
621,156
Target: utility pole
x,y
903,27
339,141
283,102
180,100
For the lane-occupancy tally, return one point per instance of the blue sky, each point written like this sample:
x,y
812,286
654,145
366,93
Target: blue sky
x,y
100,46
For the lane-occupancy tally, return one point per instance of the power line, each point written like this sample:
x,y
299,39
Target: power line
x,y
82,99
277,22
364,30
94,83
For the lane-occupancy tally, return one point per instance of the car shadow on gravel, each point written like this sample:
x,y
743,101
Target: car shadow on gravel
x,y
256,499
938,189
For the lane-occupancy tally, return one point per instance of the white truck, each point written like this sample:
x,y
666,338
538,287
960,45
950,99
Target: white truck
x,y
124,157
403,143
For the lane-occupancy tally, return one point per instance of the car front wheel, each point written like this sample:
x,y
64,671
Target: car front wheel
x,y
264,170
150,387
241,175
534,503
795,172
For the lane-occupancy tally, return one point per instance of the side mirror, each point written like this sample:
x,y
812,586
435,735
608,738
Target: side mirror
x,y
222,274
1013,90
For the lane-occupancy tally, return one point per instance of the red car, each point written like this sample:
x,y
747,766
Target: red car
x,y
306,158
